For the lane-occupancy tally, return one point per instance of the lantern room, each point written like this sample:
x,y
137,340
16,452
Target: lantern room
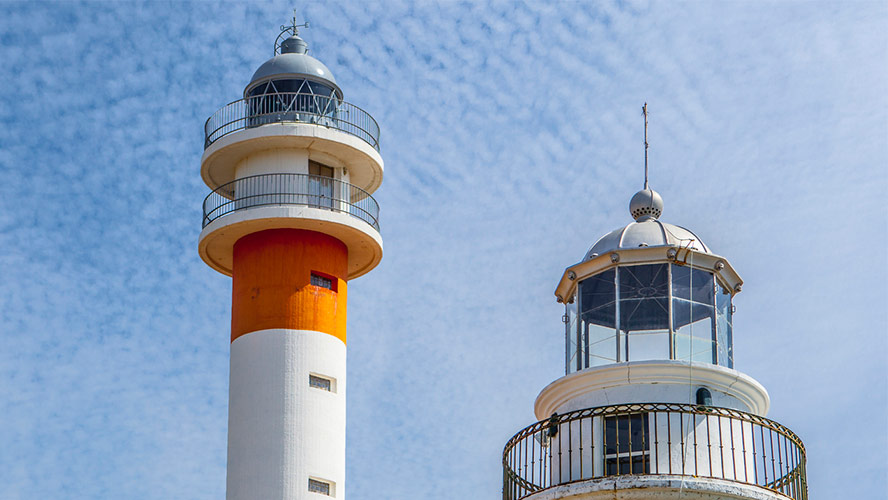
x,y
292,86
648,291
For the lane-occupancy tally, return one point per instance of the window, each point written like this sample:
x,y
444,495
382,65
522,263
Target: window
x,y
318,486
627,444
321,281
319,382
320,185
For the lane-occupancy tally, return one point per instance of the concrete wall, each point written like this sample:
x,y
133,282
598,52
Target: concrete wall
x,y
281,431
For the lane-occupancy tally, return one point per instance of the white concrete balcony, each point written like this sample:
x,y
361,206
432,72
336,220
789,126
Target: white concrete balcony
x,y
295,201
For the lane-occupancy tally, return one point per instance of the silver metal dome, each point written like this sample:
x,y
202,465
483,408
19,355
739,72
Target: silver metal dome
x,y
293,61
650,233
645,207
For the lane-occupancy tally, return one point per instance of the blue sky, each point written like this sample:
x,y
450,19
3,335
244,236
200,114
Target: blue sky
x,y
512,139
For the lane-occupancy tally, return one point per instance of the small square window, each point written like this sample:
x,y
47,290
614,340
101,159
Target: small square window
x,y
318,486
322,281
319,382
627,444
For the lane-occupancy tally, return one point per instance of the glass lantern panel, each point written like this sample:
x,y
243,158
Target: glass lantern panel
x,y
693,338
597,326
289,85
644,314
724,327
597,299
644,298
319,89
602,344
692,284
570,338
649,344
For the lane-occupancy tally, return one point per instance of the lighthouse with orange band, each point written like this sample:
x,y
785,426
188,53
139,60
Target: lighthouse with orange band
x,y
291,219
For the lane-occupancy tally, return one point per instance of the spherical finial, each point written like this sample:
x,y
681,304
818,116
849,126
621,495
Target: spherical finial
x,y
646,205
294,45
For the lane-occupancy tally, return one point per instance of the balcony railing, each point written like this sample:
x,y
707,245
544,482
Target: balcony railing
x,y
291,189
291,107
654,439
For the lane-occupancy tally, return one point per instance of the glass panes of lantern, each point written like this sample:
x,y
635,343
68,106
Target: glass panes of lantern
x,y
291,100
723,314
595,336
693,314
644,311
648,312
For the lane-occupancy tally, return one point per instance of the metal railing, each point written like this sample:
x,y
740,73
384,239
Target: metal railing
x,y
291,189
654,439
281,107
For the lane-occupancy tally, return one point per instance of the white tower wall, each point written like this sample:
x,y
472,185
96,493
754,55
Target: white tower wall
x,y
274,161
281,431
660,381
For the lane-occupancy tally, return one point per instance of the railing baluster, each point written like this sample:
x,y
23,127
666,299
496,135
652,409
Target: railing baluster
x,y
655,456
681,437
592,439
709,444
580,429
569,454
773,463
764,455
696,454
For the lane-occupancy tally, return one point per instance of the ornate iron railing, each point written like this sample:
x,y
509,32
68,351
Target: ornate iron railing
x,y
654,439
281,107
291,189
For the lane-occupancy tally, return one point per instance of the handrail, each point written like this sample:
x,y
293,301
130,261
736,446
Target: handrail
x,y
280,107
670,439
291,189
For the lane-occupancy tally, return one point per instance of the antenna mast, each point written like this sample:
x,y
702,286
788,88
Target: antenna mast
x,y
644,111
295,27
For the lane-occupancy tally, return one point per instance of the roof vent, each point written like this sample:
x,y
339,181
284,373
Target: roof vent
x,y
646,205
294,45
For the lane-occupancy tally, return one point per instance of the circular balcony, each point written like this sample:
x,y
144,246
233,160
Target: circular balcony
x,y
313,191
642,443
293,107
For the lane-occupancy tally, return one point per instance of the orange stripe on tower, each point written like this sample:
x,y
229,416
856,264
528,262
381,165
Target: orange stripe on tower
x,y
272,282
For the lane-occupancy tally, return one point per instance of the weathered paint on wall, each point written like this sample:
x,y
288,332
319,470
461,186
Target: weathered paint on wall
x,y
271,286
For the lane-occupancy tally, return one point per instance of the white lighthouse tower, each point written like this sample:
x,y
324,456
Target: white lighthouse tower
x,y
291,219
650,405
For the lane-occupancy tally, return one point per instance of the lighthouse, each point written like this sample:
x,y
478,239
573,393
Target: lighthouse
x,y
651,405
291,167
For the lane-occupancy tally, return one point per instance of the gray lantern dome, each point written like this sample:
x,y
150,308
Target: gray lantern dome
x,y
293,63
647,231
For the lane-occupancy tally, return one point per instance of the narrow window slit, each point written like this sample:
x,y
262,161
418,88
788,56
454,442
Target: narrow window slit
x,y
319,382
322,281
318,486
